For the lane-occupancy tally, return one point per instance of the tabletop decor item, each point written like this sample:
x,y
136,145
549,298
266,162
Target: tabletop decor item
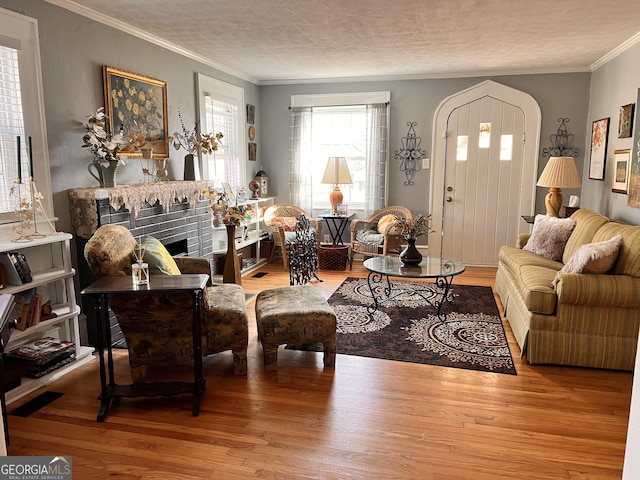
x,y
410,229
140,269
105,148
193,142
230,216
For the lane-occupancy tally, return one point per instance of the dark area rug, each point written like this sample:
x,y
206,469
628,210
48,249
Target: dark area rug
x,y
408,329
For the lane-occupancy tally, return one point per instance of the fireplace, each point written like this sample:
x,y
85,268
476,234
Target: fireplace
x,y
176,213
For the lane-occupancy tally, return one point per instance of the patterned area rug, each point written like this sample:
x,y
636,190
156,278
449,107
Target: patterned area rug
x,y
407,328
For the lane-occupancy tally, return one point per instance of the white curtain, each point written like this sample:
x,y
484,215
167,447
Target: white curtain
x,y
300,190
377,157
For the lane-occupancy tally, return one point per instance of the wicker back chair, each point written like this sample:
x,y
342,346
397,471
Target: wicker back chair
x,y
392,240
284,211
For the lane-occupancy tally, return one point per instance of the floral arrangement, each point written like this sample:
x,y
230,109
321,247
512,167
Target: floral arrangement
x,y
414,227
223,212
194,140
103,144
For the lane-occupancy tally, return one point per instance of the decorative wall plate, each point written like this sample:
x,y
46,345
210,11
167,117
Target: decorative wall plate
x,y
252,132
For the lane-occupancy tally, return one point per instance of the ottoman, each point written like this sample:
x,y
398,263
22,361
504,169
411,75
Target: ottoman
x,y
294,315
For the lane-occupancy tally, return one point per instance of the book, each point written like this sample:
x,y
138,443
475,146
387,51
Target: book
x,y
34,314
23,305
22,266
11,272
7,302
42,351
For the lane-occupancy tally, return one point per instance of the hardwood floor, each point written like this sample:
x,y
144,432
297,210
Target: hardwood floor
x,y
367,419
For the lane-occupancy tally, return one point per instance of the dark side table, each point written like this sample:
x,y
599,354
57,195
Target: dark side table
x,y
337,225
99,292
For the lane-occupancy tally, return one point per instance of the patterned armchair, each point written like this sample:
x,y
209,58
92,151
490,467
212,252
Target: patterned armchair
x,y
377,236
282,219
157,326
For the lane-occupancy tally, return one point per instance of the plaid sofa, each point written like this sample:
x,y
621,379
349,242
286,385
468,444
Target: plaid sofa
x,y
588,320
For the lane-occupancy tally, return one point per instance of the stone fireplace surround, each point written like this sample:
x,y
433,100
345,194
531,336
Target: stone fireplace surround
x,y
175,212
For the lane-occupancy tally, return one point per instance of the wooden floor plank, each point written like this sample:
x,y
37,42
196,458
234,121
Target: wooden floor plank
x,y
366,419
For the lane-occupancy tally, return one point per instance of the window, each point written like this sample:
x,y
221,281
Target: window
x,y
21,111
339,132
221,110
353,126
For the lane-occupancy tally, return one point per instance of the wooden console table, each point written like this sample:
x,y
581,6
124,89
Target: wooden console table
x,y
100,291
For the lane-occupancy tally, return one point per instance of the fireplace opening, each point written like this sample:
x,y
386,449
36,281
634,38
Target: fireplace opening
x,y
178,248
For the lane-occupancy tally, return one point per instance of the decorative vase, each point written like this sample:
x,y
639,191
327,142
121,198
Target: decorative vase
x,y
191,168
410,255
231,272
105,175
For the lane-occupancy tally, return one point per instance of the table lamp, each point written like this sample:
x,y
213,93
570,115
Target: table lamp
x,y
560,172
337,172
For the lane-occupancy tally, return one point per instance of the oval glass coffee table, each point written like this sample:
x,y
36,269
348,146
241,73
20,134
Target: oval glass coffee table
x,y
442,270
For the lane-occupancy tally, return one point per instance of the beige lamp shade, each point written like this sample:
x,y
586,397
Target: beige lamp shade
x,y
560,172
337,172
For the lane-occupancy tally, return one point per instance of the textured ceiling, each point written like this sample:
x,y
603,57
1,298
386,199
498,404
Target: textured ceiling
x,y
269,41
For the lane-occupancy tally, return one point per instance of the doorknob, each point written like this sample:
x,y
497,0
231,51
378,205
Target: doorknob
x,y
449,199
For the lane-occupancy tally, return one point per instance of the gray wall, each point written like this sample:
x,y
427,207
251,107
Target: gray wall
x,y
559,95
73,50
613,85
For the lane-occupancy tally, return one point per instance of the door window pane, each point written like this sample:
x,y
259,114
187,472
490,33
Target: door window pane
x,y
506,147
462,148
484,140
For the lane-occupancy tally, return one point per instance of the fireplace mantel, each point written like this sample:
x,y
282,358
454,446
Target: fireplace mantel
x,y
83,202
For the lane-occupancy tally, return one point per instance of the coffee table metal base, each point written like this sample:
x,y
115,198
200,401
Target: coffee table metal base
x,y
383,290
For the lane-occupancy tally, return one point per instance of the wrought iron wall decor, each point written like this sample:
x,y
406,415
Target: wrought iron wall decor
x,y
561,142
410,155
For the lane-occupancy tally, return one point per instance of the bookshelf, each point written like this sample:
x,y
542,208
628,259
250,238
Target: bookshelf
x,y
49,259
250,247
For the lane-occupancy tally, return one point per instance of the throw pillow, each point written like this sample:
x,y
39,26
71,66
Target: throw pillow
x,y
288,223
159,259
549,236
384,222
596,257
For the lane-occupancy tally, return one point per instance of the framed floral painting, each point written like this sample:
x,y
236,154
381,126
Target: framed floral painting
x,y
137,105
599,137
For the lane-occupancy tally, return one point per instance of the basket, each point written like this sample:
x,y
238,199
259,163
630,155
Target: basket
x,y
333,257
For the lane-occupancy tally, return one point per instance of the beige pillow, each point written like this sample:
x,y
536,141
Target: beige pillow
x,y
384,222
549,236
596,257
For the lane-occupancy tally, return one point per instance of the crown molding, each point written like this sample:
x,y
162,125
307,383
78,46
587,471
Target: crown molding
x,y
136,32
424,76
623,47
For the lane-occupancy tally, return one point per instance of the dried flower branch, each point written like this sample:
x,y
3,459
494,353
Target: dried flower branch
x,y
414,227
194,140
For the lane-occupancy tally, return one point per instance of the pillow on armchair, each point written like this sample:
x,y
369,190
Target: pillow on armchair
x,y
158,258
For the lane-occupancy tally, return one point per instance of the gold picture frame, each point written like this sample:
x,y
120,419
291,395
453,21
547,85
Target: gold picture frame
x,y
137,104
621,170
625,123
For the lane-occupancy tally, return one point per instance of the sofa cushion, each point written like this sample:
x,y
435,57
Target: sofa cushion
x,y
549,236
534,283
109,252
628,262
370,237
587,224
288,223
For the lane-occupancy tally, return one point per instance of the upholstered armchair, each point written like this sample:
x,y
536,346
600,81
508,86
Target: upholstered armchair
x,y
377,235
157,326
281,219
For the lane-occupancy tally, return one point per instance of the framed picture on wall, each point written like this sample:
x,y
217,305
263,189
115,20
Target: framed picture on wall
x,y
599,137
625,123
621,169
137,105
251,114
253,151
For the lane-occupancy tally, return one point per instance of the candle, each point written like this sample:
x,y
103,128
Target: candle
x,y
19,164
30,158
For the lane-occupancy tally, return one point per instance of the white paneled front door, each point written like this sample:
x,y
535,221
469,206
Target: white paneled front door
x,y
484,175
